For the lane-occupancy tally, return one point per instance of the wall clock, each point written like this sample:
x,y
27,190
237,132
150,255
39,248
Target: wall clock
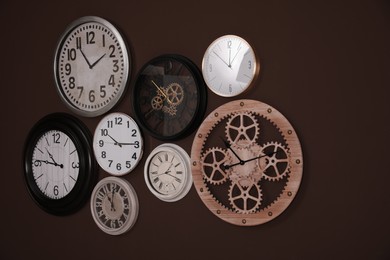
x,y
246,162
58,164
169,97
91,66
167,172
117,144
114,205
230,66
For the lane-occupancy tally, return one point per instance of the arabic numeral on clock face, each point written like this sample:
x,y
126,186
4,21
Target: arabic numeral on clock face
x,y
90,37
91,96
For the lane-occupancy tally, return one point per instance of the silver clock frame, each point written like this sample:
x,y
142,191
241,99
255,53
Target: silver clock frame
x,y
126,67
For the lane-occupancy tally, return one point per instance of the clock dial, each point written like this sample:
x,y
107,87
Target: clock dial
x,y
229,66
169,97
246,162
114,205
55,164
91,66
118,144
167,172
58,164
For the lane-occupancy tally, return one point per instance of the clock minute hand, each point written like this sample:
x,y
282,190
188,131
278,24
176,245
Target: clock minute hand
x,y
245,161
115,141
222,59
85,57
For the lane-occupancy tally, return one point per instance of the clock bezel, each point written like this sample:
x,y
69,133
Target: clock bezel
x,y
81,137
126,65
201,98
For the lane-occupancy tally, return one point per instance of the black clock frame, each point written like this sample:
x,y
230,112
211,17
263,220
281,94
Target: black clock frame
x,y
200,110
87,176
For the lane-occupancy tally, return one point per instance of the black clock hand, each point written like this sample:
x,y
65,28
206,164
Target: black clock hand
x,y
115,141
47,162
229,147
85,57
254,158
96,62
222,59
51,157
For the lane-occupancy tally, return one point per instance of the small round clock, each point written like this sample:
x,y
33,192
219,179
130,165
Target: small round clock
x,y
169,97
167,172
230,66
58,164
91,66
246,162
117,144
114,205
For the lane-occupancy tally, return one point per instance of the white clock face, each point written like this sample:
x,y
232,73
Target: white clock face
x,y
117,144
55,164
229,66
167,172
91,66
114,205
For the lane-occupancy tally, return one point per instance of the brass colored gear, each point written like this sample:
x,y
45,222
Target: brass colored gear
x,y
175,94
213,162
157,103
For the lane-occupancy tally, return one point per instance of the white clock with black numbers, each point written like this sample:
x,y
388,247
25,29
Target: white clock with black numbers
x,y
167,172
91,66
117,144
114,205
230,66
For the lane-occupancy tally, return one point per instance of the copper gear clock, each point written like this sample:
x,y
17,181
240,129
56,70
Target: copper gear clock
x,y
91,66
246,162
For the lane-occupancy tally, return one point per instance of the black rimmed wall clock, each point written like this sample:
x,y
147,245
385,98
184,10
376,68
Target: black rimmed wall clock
x,y
91,66
59,168
169,97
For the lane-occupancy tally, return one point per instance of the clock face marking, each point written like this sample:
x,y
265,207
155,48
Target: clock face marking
x,y
118,144
229,66
55,167
91,66
114,205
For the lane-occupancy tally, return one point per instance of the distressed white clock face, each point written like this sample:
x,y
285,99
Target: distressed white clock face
x,y
91,66
55,164
167,172
114,205
117,144
229,66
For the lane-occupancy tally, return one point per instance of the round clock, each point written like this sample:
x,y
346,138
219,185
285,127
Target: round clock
x,y
169,97
114,205
246,162
58,164
117,144
91,66
230,66
167,172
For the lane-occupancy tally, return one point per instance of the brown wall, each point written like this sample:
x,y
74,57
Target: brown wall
x,y
325,66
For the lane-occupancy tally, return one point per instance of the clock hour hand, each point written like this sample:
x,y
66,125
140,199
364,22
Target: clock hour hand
x,y
254,158
161,90
96,62
226,143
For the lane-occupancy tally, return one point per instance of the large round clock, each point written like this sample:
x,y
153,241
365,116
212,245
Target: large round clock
x,y
246,162
117,144
91,66
58,164
230,66
114,205
169,97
